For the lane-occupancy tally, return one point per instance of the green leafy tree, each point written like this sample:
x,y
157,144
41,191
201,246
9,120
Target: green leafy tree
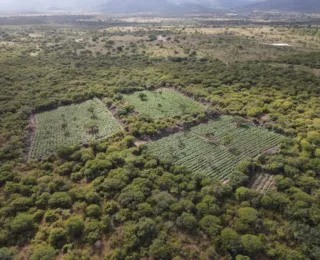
x,y
146,229
93,230
6,254
75,227
111,207
22,223
230,240
187,221
106,224
314,137
65,169
251,243
211,225
243,193
44,253
92,197
58,237
160,250
212,253
248,215
51,216
93,211
60,200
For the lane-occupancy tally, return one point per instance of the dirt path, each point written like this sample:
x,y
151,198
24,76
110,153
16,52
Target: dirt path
x,y
31,131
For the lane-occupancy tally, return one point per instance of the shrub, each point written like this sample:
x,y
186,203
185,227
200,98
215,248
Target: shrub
x,y
60,200
65,169
210,225
160,250
187,221
243,193
93,237
77,176
43,253
251,243
86,154
93,211
93,226
230,240
21,204
4,236
129,140
146,229
93,231
5,176
58,237
51,216
97,168
22,223
153,37
92,197
65,152
212,254
111,207
247,215
106,224
6,254
314,137
254,112
43,199
75,227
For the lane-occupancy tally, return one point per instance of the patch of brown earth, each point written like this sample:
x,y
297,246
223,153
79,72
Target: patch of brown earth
x,y
138,143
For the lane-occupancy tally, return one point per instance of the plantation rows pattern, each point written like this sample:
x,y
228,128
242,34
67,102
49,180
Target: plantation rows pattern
x,y
263,183
162,104
68,125
203,148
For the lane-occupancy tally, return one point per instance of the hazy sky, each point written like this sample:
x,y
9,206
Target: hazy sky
x,y
40,4
6,5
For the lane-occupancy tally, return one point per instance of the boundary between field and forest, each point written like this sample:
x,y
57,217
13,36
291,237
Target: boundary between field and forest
x,y
173,129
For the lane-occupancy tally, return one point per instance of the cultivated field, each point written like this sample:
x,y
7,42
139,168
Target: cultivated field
x,y
263,183
215,148
70,125
162,104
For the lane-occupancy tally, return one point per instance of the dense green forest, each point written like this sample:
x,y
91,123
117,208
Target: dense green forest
x,y
113,199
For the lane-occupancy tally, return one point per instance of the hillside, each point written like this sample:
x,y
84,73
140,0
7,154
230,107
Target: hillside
x,y
287,5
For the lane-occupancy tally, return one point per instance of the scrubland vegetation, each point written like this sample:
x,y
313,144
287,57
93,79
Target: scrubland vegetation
x,y
89,191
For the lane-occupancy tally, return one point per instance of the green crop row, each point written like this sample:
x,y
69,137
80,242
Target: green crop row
x,y
215,148
162,104
71,125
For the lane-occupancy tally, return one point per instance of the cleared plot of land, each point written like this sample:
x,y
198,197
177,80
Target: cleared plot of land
x,y
70,125
263,183
162,104
215,148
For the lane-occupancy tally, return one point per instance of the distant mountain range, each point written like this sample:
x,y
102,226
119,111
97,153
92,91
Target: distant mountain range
x,y
133,6
174,6
218,3
287,5
127,6
168,6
